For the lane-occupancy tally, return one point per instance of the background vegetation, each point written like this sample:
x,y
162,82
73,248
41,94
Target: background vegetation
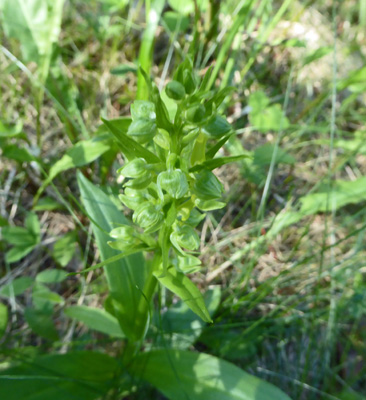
x,y
284,262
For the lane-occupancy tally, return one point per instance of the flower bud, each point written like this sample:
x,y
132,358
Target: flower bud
x,y
132,198
139,183
196,113
175,90
189,81
174,182
142,130
191,136
136,168
184,236
217,126
148,217
187,264
124,232
141,109
207,186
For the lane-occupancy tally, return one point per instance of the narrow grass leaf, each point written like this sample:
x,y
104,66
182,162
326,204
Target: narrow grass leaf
x,y
217,162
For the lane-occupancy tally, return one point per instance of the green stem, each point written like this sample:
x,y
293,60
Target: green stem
x,y
132,347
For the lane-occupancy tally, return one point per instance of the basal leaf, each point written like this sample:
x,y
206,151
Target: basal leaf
x,y
126,277
96,319
82,375
181,326
182,375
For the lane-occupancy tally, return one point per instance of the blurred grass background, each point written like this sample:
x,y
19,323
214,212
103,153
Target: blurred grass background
x,y
288,251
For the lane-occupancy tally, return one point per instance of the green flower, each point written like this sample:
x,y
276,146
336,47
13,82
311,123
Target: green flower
x,y
149,217
184,236
174,182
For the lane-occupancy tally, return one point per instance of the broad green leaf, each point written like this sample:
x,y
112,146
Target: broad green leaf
x,y
41,323
183,287
82,153
182,375
44,299
126,277
17,253
36,24
181,326
51,276
64,249
329,197
82,375
263,156
265,117
33,225
128,146
18,236
14,152
96,319
3,319
17,286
